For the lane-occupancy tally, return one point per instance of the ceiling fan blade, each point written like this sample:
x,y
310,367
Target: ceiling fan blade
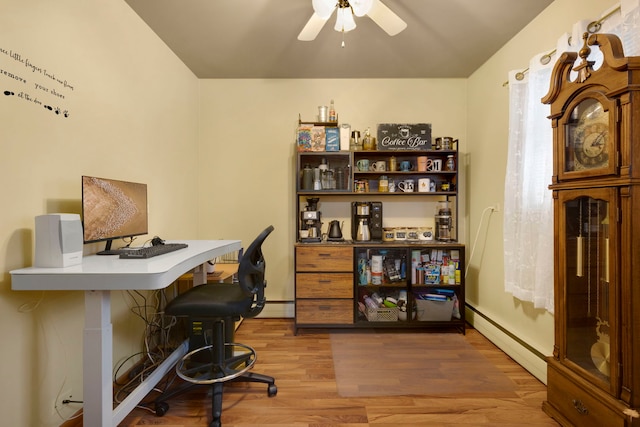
x,y
386,18
313,27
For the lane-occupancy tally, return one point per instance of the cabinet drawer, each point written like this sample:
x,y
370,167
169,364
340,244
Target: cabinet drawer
x,y
324,258
580,405
318,311
324,285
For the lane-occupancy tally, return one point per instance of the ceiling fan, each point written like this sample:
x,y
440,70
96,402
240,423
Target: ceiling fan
x,y
374,9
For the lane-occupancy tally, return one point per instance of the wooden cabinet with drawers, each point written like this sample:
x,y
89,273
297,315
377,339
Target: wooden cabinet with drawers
x,y
324,285
330,292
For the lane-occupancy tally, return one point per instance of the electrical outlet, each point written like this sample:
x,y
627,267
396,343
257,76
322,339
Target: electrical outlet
x,y
59,404
496,207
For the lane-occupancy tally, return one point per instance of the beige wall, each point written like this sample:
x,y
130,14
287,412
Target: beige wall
x,y
132,116
248,151
218,156
488,129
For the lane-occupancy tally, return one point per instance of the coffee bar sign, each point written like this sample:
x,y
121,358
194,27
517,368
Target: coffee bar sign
x,y
404,137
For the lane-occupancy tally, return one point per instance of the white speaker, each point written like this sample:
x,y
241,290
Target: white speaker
x,y
58,240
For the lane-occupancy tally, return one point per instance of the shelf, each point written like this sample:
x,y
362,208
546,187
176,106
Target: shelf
x,y
374,193
407,153
325,124
404,173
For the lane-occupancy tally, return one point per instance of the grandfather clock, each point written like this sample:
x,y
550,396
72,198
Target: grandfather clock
x,y
593,376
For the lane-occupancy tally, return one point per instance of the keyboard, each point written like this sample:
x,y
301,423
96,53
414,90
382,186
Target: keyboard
x,y
151,251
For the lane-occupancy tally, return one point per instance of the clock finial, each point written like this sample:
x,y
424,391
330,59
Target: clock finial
x,y
585,68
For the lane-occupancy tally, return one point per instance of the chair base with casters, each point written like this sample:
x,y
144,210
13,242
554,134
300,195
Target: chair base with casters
x,y
216,360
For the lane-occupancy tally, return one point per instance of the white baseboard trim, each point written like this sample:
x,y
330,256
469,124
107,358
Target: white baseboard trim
x,y
525,357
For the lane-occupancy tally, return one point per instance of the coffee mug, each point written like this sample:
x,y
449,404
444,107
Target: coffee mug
x,y
379,166
304,234
424,185
423,163
405,166
392,186
434,165
360,186
406,186
363,165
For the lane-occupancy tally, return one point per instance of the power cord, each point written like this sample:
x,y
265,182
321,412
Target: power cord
x,y
156,337
475,240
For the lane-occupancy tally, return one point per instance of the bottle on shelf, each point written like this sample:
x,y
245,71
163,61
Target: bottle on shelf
x,y
367,141
332,112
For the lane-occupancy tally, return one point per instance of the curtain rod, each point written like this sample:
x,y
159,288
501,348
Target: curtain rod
x,y
592,28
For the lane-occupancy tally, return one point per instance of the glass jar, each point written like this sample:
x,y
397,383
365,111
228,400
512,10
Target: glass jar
x,y
383,184
356,143
450,165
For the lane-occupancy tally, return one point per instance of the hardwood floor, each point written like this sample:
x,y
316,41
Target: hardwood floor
x,y
307,393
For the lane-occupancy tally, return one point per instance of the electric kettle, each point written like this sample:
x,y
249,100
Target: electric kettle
x,y
335,230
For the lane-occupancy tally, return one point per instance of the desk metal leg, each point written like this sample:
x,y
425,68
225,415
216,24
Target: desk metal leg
x,y
97,359
200,275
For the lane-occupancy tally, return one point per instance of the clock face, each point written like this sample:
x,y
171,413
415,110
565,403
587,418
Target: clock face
x,y
588,137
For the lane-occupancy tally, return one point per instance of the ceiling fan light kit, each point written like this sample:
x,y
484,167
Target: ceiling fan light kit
x,y
391,23
344,20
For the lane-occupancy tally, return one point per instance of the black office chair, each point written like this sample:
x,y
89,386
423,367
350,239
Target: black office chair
x,y
216,307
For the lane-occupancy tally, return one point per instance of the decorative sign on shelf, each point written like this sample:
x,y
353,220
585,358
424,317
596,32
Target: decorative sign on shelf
x,y
404,137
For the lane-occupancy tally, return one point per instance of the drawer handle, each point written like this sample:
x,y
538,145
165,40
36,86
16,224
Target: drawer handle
x,y
324,281
582,410
324,307
325,255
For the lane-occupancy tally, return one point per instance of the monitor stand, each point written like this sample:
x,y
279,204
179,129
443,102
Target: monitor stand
x,y
108,251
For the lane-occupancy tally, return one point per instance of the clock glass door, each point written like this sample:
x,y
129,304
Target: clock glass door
x,y
588,292
588,138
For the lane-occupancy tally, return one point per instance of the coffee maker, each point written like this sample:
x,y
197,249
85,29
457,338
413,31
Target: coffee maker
x,y
443,221
366,221
310,220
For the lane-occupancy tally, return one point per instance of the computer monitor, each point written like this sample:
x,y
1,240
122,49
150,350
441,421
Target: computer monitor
x,y
113,209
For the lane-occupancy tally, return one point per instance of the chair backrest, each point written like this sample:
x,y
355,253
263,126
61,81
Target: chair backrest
x,y
251,271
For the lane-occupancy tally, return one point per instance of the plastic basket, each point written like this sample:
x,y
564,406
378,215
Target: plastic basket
x,y
383,314
434,310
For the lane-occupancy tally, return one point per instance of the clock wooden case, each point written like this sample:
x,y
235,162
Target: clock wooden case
x,y
594,373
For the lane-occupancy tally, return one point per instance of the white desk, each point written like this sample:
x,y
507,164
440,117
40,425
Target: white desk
x,y
97,276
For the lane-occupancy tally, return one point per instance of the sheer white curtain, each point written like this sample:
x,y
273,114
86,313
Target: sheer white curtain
x,y
528,211
528,220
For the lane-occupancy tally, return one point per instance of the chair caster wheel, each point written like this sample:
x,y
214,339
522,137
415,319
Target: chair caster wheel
x,y
272,390
161,408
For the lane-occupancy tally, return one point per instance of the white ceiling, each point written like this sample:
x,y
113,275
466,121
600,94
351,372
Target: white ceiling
x,y
258,38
